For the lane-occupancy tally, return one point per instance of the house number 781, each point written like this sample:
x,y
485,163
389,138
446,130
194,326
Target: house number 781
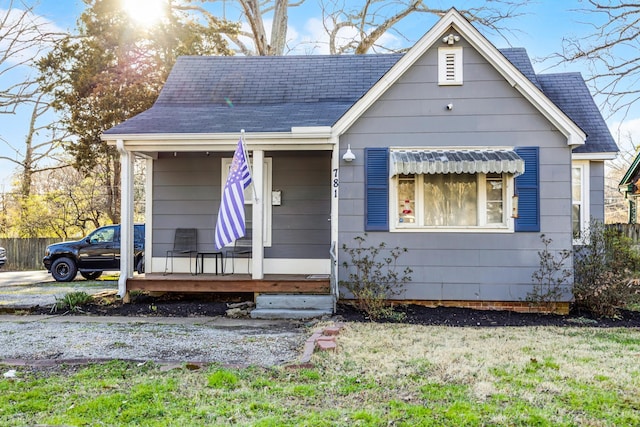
x,y
336,183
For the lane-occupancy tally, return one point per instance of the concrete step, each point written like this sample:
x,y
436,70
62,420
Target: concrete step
x,y
270,313
295,302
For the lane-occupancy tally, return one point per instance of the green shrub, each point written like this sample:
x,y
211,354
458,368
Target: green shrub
x,y
605,265
72,301
373,281
550,280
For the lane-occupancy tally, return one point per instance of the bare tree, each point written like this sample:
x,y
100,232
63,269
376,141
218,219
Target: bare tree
x,y
612,51
253,12
357,27
23,37
41,144
352,26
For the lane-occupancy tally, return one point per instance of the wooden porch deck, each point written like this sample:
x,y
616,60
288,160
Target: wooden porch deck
x,y
272,283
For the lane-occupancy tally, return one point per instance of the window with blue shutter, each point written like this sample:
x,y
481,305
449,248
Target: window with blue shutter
x,y
376,173
528,191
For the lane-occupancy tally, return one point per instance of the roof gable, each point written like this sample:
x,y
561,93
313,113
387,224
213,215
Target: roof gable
x,y
453,20
631,175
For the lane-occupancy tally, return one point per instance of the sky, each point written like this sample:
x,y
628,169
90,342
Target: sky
x,y
540,30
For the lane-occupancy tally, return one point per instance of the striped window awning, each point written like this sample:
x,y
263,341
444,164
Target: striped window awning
x,y
435,161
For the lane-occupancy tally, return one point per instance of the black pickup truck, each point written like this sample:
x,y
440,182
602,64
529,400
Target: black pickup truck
x,y
98,252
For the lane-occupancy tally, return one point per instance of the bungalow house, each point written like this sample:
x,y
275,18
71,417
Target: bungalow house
x,y
455,150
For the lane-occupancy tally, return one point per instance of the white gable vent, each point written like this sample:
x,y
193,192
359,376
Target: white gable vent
x,y
450,65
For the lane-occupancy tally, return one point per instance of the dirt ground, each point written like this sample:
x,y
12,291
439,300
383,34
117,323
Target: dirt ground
x,y
186,305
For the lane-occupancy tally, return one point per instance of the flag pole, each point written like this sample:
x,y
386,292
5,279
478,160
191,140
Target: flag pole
x,y
246,156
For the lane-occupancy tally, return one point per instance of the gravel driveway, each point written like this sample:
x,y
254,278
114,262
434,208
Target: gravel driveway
x,y
38,339
43,339
30,288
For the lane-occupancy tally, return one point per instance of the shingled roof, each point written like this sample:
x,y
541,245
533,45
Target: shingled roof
x,y
570,93
520,59
258,94
275,93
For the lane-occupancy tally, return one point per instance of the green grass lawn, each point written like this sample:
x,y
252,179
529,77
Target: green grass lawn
x,y
381,375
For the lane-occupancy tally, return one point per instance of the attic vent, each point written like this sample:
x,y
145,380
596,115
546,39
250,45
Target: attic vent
x,y
450,65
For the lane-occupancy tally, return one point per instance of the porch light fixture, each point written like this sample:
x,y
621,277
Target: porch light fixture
x,y
349,156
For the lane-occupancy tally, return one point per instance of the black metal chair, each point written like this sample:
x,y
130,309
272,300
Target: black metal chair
x,y
185,241
242,248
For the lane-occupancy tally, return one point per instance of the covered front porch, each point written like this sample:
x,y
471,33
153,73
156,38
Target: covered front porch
x,y
234,283
291,210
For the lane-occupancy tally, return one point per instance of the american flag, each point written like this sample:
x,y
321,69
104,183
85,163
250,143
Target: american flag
x,y
231,224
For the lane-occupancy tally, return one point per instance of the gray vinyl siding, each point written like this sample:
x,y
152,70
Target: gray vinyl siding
x,y
300,225
487,112
187,188
186,192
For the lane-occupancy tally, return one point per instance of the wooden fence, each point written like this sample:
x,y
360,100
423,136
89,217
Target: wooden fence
x,y
632,231
25,254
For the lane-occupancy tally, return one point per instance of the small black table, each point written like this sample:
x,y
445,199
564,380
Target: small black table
x,y
218,256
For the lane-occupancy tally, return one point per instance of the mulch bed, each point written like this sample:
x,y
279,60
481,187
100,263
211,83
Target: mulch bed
x,y
186,305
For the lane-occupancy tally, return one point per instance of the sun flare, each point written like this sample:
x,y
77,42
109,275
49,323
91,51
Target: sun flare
x,y
145,12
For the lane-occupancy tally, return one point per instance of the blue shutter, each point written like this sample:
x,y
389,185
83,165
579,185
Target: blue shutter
x,y
376,161
528,191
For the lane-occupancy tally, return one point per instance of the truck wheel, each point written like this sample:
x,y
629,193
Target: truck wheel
x,y
64,269
91,275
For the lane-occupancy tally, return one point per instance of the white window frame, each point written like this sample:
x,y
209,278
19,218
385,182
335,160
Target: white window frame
x,y
248,192
507,226
585,203
450,66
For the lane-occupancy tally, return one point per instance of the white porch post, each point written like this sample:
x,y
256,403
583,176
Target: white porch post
x,y
126,215
257,257
148,215
335,198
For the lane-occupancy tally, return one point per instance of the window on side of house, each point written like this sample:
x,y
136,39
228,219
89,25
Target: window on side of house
x,y
450,66
452,201
580,199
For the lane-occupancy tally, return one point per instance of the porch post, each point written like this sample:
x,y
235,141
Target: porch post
x,y
257,257
148,216
126,218
335,198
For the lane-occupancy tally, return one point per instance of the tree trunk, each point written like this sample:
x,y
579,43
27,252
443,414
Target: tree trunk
x,y
279,28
